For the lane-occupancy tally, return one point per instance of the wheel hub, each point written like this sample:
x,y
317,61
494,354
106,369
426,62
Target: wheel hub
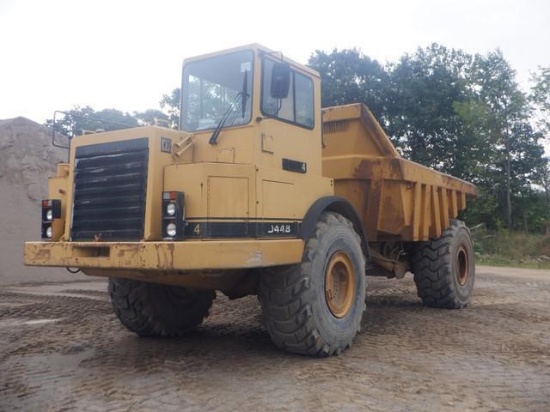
x,y
462,266
339,284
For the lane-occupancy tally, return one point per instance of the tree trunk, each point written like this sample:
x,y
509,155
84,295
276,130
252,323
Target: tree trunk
x,y
508,184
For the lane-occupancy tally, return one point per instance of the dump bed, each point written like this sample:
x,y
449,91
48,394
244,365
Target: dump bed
x,y
396,199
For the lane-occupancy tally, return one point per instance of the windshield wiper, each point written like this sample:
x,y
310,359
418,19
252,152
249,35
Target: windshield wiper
x,y
214,138
243,97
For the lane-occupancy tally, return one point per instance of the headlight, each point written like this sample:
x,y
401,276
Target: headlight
x,y
171,229
173,215
171,209
51,219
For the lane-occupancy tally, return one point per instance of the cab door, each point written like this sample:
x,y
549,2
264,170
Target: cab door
x,y
289,176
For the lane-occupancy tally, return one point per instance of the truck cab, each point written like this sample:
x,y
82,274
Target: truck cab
x,y
245,164
256,123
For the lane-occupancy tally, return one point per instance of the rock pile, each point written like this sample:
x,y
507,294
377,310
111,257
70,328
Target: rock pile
x,y
27,159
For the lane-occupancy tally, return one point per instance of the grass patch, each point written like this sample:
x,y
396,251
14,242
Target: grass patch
x,y
506,248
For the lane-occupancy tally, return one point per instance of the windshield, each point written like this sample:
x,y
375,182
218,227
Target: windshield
x,y
214,87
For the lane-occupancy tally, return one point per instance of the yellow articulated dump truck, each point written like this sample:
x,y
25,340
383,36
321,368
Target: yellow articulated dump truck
x,y
259,192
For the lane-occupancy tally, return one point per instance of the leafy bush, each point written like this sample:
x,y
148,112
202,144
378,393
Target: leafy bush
x,y
510,248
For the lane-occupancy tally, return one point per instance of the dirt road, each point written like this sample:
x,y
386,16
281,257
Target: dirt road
x,y
62,349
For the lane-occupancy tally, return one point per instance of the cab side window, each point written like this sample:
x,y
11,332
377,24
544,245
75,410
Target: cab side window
x,y
297,107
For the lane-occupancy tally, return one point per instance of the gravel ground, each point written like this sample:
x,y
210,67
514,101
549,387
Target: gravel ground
x,y
62,349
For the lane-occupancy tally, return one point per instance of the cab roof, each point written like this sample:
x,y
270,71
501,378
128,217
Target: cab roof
x,y
257,48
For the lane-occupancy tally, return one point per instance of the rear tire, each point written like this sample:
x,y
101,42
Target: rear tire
x,y
315,308
151,309
444,268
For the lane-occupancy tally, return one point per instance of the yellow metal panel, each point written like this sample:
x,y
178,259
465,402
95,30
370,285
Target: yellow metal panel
x,y
355,193
228,197
454,204
277,200
166,256
462,201
408,200
364,135
426,211
62,170
57,189
417,211
444,211
155,179
287,195
190,179
208,280
226,155
391,205
435,229
214,189
287,141
268,144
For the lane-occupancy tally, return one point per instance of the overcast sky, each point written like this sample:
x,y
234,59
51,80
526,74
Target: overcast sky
x,y
124,54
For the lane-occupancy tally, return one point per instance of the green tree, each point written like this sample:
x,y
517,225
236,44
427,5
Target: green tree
x,y
170,104
153,117
80,120
497,111
516,156
458,113
540,96
421,97
348,76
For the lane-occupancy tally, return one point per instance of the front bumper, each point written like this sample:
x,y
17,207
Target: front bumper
x,y
166,256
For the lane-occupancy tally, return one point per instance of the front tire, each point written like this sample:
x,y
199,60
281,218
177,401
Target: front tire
x,y
315,308
444,268
151,309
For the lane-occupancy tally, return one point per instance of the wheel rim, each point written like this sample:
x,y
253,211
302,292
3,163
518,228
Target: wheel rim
x,y
462,266
340,284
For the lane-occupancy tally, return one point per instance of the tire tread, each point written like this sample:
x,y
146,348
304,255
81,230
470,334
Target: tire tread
x,y
432,266
156,310
287,312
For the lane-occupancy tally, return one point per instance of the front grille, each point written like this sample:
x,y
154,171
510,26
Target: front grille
x,y
110,186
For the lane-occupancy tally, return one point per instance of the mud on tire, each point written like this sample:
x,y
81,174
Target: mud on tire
x,y
315,307
444,268
151,309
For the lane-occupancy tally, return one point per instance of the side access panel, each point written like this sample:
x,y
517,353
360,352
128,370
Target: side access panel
x,y
220,198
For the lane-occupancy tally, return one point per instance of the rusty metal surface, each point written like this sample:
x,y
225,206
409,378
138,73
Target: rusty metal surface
x,y
165,256
397,199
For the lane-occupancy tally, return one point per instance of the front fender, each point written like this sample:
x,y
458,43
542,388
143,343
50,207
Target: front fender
x,y
333,204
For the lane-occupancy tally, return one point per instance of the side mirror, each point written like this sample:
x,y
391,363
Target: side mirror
x,y
280,80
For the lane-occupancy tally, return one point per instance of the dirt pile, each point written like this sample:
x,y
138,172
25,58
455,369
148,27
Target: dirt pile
x,y
27,159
